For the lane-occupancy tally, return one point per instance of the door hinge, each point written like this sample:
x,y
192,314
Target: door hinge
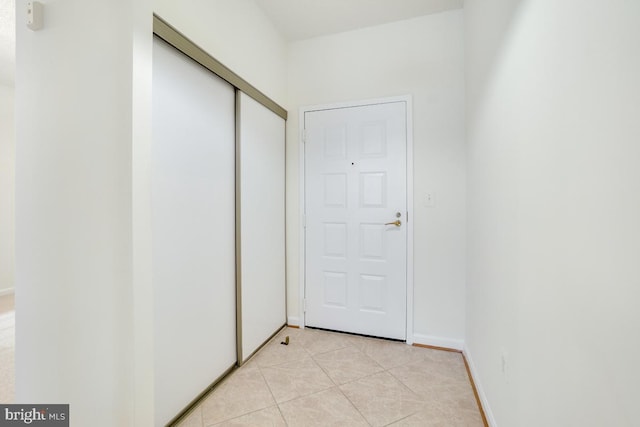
x,y
304,305
304,221
304,136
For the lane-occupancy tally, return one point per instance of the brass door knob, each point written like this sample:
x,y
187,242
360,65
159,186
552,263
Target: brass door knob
x,y
397,223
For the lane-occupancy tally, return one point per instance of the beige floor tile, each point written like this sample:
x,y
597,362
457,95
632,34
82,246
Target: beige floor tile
x,y
446,390
326,408
471,419
382,399
194,419
275,353
7,349
454,398
420,387
347,364
269,417
324,342
294,379
451,370
7,339
243,392
7,321
294,385
296,335
7,303
435,417
430,415
430,379
434,355
7,376
389,354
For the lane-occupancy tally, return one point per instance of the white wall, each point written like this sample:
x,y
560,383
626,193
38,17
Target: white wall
x,y
82,128
83,248
236,33
554,202
422,57
7,167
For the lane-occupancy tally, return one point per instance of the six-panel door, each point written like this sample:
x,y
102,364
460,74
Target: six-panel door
x,y
355,191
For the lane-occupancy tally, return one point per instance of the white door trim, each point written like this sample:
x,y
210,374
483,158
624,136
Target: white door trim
x,y
301,162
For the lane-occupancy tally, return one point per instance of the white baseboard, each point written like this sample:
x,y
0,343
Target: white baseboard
x,y
293,321
483,397
438,341
7,291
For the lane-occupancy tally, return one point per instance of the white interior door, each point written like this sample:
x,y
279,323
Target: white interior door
x,y
355,186
193,208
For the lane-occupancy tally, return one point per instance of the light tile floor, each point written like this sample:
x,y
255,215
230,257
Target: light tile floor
x,y
332,379
319,379
7,346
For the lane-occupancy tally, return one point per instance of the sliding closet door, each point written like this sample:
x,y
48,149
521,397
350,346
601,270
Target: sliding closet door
x,y
261,139
193,204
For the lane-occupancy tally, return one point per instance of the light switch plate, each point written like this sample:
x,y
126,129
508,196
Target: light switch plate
x,y
429,200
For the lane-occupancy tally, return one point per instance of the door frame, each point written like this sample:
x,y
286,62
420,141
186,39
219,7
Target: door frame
x,y
409,176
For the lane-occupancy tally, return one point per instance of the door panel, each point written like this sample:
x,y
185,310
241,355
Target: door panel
x,y
262,223
193,205
355,183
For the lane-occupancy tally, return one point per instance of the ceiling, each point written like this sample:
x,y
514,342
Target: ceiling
x,y
302,19
295,19
7,41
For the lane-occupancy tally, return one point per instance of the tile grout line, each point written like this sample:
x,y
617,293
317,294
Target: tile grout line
x,y
197,408
325,371
246,413
281,414
217,387
420,398
307,396
267,383
383,370
310,356
239,416
358,351
362,378
303,343
354,405
328,351
401,419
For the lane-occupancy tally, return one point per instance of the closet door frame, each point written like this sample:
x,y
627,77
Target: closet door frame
x,y
174,38
260,223
193,191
